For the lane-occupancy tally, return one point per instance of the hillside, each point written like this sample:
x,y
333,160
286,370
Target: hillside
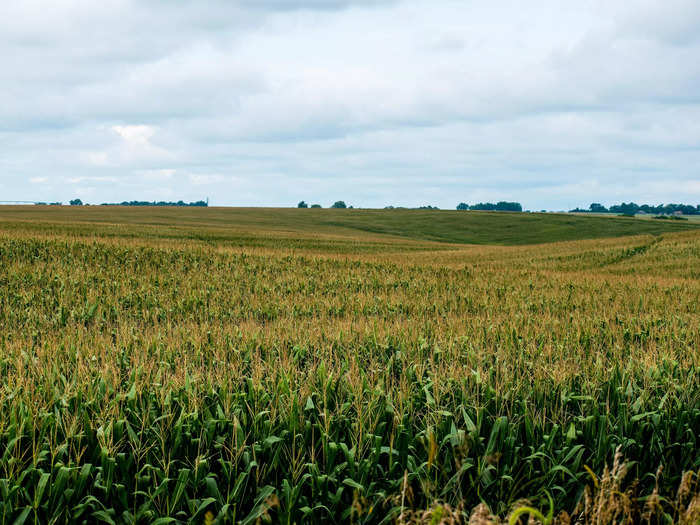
x,y
238,224
497,227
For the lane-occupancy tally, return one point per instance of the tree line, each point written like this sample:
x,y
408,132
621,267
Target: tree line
x,y
631,208
78,202
336,204
482,206
202,204
489,206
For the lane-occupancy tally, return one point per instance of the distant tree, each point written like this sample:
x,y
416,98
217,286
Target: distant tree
x,y
339,204
483,206
508,206
463,206
302,204
316,206
630,208
76,202
500,206
202,204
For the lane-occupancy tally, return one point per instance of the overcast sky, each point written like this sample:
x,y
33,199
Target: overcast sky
x,y
405,102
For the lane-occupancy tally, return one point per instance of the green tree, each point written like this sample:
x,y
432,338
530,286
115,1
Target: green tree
x,y
339,204
302,204
76,202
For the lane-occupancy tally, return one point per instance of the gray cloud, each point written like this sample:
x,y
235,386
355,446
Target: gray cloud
x,y
376,102
311,4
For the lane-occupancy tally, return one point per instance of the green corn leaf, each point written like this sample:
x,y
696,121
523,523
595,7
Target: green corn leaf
x,y
103,516
260,506
353,484
164,521
40,488
22,516
180,487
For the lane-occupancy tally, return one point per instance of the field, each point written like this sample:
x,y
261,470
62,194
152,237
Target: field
x,y
296,366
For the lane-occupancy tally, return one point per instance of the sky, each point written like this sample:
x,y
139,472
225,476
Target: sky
x,y
375,102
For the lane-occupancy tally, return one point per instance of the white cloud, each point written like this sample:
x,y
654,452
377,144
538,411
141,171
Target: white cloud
x,y
95,158
136,144
203,179
80,180
135,136
158,174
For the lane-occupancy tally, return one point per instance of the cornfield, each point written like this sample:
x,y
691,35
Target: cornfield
x,y
286,378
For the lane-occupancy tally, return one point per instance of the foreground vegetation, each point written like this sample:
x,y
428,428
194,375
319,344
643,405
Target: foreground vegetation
x,y
169,366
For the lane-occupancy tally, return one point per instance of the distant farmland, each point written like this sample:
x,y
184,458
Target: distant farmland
x,y
222,224
204,365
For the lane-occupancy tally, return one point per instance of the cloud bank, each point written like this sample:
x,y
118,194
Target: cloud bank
x,y
370,101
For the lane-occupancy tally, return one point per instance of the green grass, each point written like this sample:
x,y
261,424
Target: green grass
x,y
494,228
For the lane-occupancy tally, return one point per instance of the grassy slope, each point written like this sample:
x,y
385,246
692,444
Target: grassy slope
x,y
221,224
498,228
